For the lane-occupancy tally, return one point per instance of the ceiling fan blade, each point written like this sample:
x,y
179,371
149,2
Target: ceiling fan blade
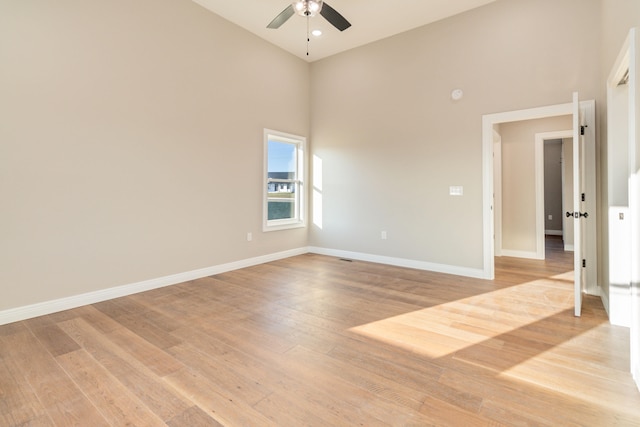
x,y
282,18
331,15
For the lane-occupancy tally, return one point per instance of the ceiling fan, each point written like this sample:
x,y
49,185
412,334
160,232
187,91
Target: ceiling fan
x,y
310,8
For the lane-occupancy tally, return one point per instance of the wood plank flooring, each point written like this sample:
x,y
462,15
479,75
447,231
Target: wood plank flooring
x,y
317,341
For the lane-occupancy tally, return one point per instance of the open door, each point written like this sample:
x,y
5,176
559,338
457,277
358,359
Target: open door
x,y
579,215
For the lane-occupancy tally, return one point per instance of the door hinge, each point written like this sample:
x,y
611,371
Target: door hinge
x,y
583,197
582,129
584,263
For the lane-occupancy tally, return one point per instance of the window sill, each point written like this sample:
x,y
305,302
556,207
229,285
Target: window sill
x,y
283,226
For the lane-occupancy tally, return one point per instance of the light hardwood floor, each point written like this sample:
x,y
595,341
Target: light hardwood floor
x,y
318,341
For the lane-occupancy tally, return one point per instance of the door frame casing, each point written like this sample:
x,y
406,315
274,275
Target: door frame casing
x,y
497,193
489,121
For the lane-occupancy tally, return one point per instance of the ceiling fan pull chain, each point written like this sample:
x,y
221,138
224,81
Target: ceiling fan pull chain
x,y
308,35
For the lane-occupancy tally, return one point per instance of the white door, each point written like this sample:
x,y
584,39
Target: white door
x,y
579,215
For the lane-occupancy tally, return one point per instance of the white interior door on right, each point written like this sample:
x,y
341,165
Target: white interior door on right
x,y
578,214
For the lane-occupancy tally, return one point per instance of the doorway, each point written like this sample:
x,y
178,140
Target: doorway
x,y
493,123
553,190
520,217
558,185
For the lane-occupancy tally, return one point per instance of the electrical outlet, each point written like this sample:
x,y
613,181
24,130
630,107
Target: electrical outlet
x,y
249,237
550,217
383,235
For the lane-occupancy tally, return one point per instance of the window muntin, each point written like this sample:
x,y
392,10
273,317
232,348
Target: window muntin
x,y
284,191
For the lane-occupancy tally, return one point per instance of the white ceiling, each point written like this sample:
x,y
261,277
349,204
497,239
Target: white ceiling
x,y
371,20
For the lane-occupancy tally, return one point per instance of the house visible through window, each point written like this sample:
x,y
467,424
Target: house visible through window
x,y
284,191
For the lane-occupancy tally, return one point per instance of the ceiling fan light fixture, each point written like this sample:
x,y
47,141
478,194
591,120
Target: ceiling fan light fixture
x,y
307,7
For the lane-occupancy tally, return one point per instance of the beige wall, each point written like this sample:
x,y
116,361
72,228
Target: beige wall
x,y
129,127
618,17
518,180
392,141
131,143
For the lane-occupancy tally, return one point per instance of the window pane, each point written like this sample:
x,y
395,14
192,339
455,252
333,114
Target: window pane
x,y
281,197
282,160
284,204
281,209
281,200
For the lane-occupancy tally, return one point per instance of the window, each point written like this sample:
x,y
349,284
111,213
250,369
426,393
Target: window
x,y
284,201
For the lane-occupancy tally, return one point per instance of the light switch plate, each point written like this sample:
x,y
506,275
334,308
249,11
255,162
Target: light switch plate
x,y
455,190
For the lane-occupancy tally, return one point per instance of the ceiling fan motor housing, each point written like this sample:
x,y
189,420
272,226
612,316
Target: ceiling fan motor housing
x,y
310,8
307,7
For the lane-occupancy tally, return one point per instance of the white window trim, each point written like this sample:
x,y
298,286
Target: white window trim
x,y
301,220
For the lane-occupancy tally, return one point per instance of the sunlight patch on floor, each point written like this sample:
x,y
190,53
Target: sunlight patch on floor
x,y
447,328
574,369
566,277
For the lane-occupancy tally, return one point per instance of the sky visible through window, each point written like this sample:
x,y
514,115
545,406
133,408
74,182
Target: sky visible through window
x,y
282,157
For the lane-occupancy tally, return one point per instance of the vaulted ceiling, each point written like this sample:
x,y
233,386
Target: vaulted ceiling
x,y
371,20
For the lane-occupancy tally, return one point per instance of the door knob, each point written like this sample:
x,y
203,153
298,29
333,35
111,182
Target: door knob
x,y
577,214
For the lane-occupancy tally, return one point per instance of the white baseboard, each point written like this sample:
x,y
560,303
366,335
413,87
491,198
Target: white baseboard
x,y
553,232
48,307
520,254
568,248
401,262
